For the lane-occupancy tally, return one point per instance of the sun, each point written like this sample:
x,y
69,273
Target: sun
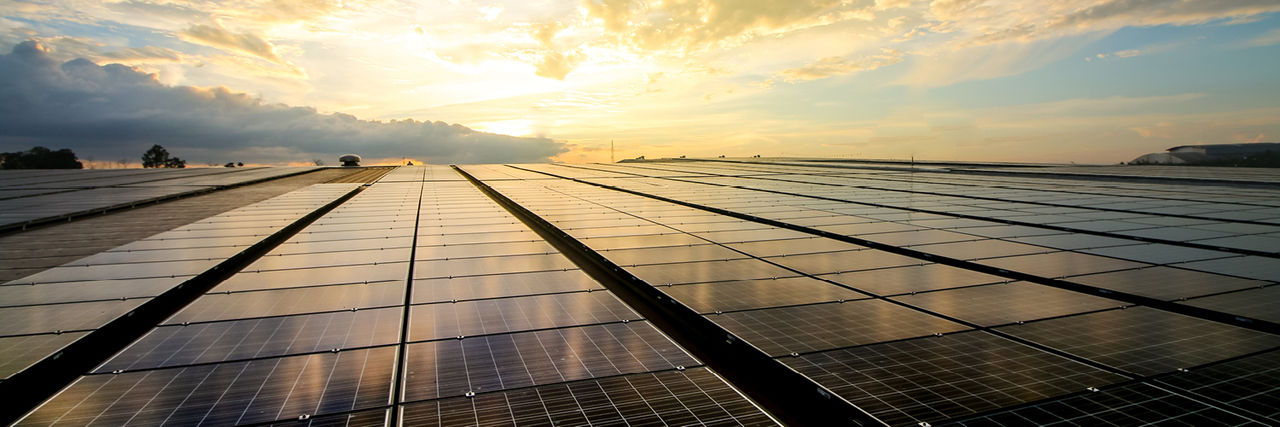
x,y
506,127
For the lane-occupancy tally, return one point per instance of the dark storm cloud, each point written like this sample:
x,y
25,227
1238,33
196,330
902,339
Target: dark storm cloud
x,y
113,111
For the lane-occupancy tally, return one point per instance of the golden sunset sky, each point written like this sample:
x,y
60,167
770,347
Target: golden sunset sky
x,y
1047,81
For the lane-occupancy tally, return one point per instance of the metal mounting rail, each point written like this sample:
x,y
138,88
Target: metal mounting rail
x,y
397,385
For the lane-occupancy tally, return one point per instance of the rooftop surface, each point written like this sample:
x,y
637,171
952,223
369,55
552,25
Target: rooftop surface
x,y
713,291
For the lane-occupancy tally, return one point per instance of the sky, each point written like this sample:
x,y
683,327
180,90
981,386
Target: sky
x,y
461,81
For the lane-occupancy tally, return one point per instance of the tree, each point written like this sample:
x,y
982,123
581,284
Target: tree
x,y
40,158
158,157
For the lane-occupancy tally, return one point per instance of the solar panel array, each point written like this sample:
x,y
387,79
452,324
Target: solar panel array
x,y
34,196
917,296
44,312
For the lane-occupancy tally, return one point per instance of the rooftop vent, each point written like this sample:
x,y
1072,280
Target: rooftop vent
x,y
349,160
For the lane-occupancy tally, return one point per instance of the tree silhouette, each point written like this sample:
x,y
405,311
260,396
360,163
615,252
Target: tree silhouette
x,y
158,157
40,158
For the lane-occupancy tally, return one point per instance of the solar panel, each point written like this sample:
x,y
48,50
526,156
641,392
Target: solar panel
x,y
808,328
228,393
1144,340
1251,384
311,330
1137,404
689,397
455,367
915,296
52,196
1261,303
935,378
1006,303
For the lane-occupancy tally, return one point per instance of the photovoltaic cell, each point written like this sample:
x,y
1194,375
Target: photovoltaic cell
x,y
375,417
482,249
226,393
919,237
23,351
1144,340
62,317
707,252
1006,303
240,305
1135,404
981,249
799,246
459,239
1263,304
491,265
452,368
1253,267
1165,283
646,241
324,259
916,278
116,257
1159,253
691,397
1073,241
748,294
501,285
53,293
845,261
708,271
465,318
119,271
1061,264
936,378
1251,384
801,329
255,338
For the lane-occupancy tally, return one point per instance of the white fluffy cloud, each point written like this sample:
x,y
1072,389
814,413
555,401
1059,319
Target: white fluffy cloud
x,y
113,111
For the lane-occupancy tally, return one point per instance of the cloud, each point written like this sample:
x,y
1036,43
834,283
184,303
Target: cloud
x,y
690,26
490,12
149,54
113,110
1127,53
67,48
835,65
994,21
989,61
288,11
553,64
1093,107
1163,12
217,37
556,65
892,4
1265,39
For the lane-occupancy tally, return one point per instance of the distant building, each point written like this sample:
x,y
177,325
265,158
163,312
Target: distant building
x,y
1196,154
